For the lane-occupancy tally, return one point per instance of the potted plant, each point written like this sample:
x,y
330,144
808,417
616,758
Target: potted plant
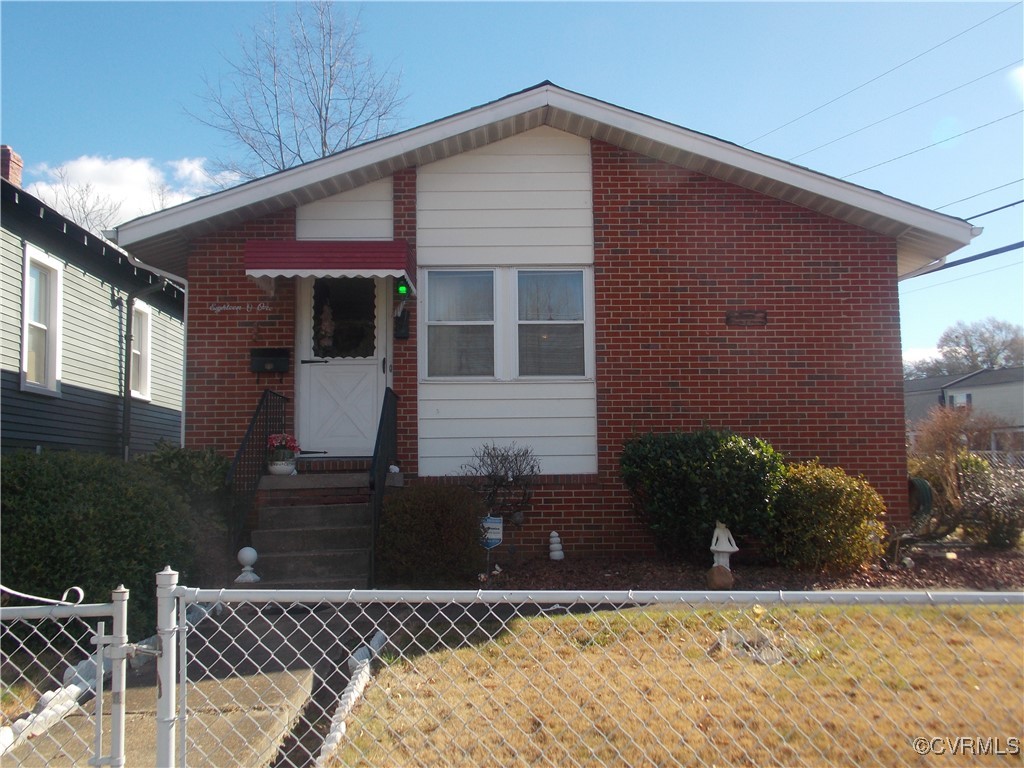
x,y
282,449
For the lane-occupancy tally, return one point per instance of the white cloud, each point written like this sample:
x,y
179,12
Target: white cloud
x,y
917,354
140,185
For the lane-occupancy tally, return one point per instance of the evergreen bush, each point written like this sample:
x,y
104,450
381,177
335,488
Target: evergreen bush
x,y
683,482
430,535
88,520
826,520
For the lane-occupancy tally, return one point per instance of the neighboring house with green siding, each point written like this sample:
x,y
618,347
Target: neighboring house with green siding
x,y
69,301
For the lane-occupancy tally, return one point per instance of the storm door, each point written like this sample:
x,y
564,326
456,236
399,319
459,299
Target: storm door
x,y
342,371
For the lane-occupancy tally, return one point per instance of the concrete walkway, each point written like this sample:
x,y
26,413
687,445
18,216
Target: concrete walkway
x,y
241,720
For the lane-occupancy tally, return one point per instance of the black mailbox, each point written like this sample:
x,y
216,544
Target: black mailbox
x,y
272,360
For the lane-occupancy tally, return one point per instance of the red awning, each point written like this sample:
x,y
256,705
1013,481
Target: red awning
x,y
329,258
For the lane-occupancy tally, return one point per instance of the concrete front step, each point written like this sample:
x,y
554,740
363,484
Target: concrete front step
x,y
300,541
313,566
314,516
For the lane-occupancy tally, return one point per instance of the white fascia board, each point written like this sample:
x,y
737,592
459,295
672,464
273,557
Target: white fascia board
x,y
912,216
411,141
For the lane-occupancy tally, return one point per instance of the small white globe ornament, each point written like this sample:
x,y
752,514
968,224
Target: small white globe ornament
x,y
247,559
555,547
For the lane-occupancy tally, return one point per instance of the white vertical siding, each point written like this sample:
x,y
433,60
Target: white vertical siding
x,y
522,202
363,213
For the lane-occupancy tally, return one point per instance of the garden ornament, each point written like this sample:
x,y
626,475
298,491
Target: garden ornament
x,y
722,544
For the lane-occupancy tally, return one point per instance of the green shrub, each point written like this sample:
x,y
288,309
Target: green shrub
x,y
201,475
91,521
948,475
430,535
684,482
826,519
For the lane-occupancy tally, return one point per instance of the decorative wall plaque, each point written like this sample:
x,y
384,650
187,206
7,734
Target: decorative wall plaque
x,y
746,317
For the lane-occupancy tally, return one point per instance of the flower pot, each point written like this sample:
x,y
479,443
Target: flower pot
x,y
281,467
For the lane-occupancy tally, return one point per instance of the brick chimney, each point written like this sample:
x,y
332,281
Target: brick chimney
x,y
10,165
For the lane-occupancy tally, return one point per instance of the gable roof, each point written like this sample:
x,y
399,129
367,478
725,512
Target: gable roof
x,y
31,218
924,237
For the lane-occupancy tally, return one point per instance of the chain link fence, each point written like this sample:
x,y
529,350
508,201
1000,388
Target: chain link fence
x,y
54,662
565,679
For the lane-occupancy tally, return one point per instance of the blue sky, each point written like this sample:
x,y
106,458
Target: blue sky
x,y
105,90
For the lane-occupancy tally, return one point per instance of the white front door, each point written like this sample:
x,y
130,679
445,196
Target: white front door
x,y
342,364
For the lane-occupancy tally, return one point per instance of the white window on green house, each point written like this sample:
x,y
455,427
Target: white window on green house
x,y
141,357
41,322
507,323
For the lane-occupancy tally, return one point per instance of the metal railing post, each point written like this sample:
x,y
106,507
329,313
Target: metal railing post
x,y
118,678
166,670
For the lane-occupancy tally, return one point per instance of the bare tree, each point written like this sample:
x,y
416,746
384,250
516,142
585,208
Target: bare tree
x,y
300,91
80,202
968,347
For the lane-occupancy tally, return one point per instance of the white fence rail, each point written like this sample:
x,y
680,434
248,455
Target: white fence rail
x,y
431,678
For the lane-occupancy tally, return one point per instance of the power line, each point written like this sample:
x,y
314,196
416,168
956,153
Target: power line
x,y
879,77
958,279
968,260
979,256
994,210
935,144
979,194
904,111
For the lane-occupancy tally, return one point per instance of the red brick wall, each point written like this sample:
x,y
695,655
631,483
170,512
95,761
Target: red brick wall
x,y
674,252
220,392
404,372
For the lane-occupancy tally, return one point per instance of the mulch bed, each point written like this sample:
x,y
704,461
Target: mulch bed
x,y
972,569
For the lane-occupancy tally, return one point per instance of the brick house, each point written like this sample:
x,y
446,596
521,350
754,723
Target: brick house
x,y
577,273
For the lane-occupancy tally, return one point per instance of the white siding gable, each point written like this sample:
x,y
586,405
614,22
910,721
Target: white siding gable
x,y
363,213
524,202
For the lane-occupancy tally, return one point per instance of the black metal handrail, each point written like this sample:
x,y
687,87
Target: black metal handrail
x,y
385,453
250,459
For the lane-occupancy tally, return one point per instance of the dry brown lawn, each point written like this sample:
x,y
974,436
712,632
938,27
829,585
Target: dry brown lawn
x,y
845,686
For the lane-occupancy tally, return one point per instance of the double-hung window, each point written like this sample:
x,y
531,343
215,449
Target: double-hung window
x,y
141,358
460,323
42,292
550,323
507,323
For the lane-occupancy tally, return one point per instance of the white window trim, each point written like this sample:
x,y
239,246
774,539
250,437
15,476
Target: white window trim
x,y
142,341
51,387
506,322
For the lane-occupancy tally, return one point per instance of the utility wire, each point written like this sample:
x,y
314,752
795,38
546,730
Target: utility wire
x,y
979,194
904,111
958,279
935,144
879,77
979,256
994,210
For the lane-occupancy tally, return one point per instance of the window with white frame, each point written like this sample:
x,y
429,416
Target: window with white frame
x,y
141,358
42,293
507,323
550,331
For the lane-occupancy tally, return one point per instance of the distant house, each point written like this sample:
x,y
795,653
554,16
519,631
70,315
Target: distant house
x,y
559,272
69,381
998,392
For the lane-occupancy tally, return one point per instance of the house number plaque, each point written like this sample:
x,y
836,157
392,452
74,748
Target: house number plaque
x,y
747,317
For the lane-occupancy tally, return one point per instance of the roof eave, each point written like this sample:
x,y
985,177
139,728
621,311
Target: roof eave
x,y
924,237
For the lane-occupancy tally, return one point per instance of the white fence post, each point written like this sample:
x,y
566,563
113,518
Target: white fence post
x,y
166,670
119,599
